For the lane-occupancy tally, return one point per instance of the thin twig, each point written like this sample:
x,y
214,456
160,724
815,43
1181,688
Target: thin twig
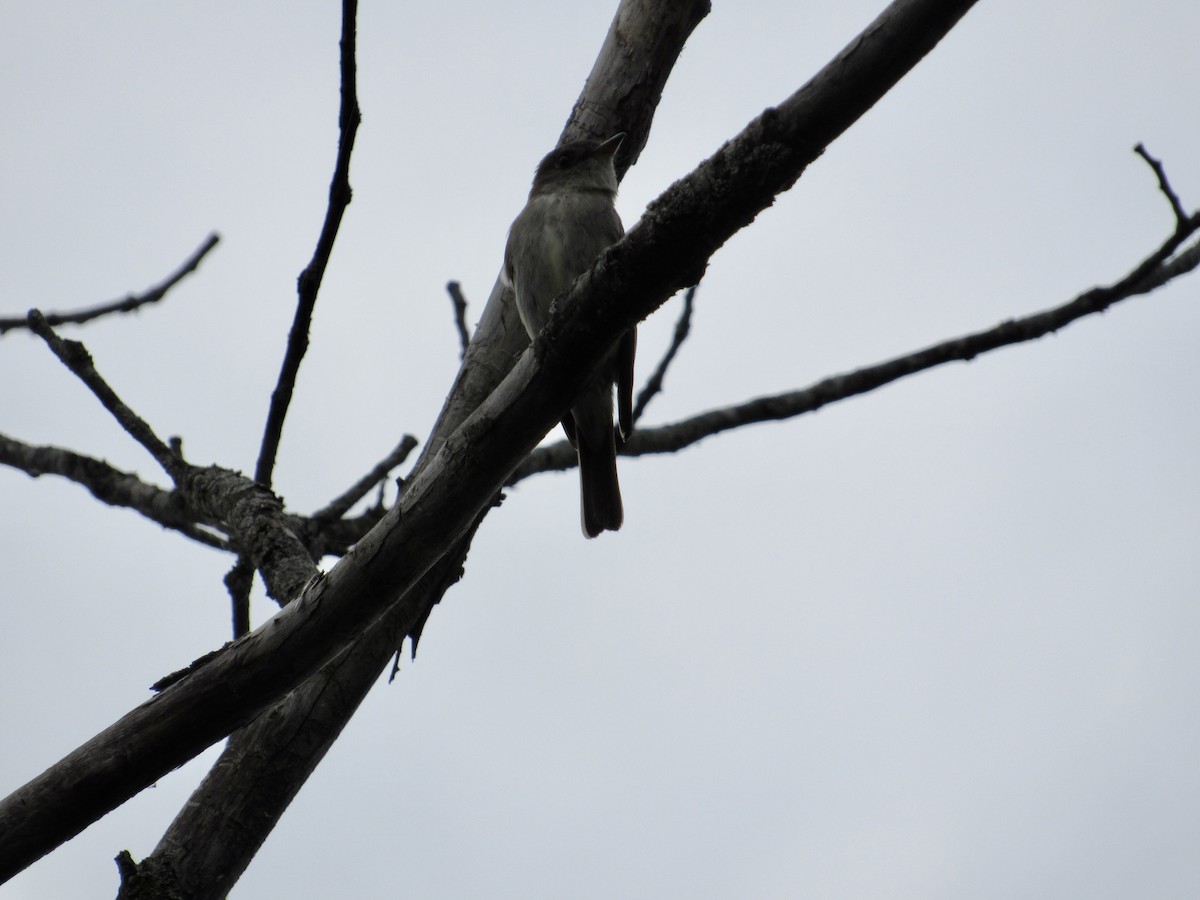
x,y
1164,185
342,504
75,357
129,303
654,383
238,582
309,282
454,289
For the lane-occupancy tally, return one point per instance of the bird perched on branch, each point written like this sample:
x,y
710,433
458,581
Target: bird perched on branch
x,y
569,221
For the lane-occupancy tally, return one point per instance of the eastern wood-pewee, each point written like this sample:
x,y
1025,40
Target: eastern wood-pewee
x,y
569,220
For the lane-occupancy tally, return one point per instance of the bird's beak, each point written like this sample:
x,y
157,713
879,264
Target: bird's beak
x,y
609,147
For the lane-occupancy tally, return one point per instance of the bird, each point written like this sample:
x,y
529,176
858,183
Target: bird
x,y
568,221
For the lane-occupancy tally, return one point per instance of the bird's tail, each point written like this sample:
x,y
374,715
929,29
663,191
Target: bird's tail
x,y
599,491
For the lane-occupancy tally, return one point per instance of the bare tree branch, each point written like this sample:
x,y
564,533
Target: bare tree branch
x,y
129,303
168,508
654,384
342,504
238,582
671,438
252,515
75,357
309,282
109,485
1179,264
1164,185
454,289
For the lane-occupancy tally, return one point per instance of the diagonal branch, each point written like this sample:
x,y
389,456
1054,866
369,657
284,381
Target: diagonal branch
x,y
341,505
1164,185
309,282
75,357
670,438
127,304
654,384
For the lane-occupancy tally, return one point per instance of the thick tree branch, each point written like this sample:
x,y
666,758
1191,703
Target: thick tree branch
x,y
309,282
129,303
443,499
257,526
209,844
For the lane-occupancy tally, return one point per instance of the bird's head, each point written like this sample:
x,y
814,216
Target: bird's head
x,y
583,165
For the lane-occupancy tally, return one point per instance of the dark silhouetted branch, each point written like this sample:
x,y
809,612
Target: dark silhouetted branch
x,y
75,357
670,438
109,485
309,282
454,289
238,582
1164,185
654,384
128,304
341,505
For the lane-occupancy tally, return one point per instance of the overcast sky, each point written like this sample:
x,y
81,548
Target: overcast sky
x,y
939,641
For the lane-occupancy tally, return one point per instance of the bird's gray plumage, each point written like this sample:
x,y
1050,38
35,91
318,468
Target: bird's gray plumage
x,y
569,220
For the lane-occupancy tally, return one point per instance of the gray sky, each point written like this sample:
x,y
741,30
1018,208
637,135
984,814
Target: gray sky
x,y
935,642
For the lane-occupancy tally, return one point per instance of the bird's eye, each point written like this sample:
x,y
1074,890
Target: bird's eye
x,y
565,160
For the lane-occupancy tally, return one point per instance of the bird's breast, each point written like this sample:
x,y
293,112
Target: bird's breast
x,y
558,235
